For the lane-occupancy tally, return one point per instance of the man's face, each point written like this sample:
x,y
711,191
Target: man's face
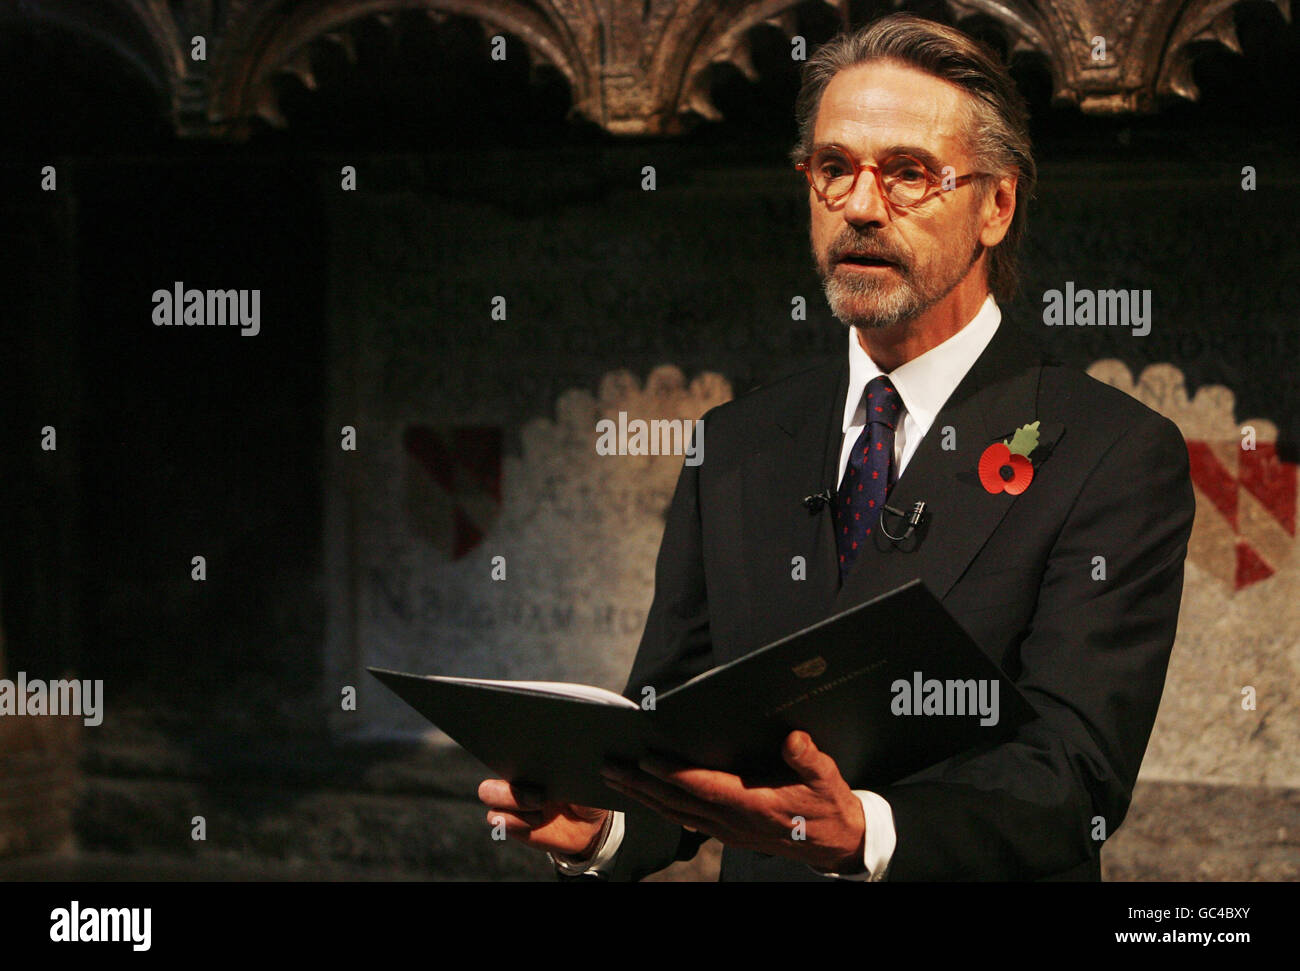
x,y
875,110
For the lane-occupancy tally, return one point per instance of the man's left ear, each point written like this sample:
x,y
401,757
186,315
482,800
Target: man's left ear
x,y
1000,206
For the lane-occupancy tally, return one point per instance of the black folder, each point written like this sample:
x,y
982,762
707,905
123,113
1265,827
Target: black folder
x,y
885,688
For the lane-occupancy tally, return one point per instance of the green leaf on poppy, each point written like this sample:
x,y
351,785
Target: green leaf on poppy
x,y
1025,440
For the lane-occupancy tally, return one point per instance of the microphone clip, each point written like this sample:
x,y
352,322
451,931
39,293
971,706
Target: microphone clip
x,y
818,500
914,519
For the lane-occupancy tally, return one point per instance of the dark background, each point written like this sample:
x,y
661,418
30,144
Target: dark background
x,y
172,441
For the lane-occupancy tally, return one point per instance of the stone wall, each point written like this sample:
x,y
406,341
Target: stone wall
x,y
223,699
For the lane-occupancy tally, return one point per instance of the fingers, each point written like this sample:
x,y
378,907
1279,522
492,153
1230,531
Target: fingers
x,y
706,785
516,824
538,831
692,822
665,797
526,828
809,763
500,794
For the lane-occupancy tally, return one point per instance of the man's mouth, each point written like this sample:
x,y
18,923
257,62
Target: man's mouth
x,y
865,260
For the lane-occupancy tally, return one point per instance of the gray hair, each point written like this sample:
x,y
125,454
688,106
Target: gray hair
x,y
995,121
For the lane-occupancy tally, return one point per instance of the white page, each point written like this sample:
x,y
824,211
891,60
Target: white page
x,y
581,692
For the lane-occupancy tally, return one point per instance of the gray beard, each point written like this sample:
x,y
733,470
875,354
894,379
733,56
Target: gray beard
x,y
892,305
901,303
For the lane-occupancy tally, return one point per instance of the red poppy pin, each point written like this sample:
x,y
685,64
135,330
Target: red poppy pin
x,y
1005,466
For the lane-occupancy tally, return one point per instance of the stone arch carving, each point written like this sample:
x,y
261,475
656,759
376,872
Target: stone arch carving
x,y
634,67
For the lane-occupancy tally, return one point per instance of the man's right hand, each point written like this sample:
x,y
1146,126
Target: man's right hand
x,y
554,827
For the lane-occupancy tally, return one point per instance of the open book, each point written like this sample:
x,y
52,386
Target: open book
x,y
558,689
885,688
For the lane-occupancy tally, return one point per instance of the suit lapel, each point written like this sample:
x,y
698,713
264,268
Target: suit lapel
x,y
997,396
797,456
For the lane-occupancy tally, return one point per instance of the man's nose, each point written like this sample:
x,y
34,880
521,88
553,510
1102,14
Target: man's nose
x,y
866,203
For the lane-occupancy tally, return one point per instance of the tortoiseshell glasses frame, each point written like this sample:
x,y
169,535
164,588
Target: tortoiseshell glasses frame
x,y
904,180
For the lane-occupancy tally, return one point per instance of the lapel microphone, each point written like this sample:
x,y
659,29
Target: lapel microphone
x,y
913,519
817,500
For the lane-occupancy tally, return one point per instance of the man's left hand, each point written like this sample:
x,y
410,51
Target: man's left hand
x,y
833,830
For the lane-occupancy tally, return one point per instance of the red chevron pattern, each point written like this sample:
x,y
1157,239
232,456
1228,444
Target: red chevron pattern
x,y
454,483
1245,499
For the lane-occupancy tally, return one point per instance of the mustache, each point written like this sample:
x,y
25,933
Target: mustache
x,y
865,247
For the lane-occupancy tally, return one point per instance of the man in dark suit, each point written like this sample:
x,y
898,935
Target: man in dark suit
x,y
1063,560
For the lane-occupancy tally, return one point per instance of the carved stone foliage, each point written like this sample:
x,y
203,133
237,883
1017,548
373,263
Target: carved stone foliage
x,y
634,67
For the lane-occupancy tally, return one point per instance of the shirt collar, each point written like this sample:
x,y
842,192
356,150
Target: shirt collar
x,y
925,382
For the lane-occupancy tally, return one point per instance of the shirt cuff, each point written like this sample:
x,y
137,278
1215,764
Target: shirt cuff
x,y
603,858
879,843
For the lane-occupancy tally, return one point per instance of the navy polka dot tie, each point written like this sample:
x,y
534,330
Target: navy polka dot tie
x,y
867,477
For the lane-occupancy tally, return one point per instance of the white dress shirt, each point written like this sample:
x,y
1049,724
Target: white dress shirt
x,y
924,384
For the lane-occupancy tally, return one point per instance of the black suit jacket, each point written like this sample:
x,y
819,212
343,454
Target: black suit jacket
x,y
1111,480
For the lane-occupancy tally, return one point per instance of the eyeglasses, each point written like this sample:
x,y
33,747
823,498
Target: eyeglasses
x,y
904,180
